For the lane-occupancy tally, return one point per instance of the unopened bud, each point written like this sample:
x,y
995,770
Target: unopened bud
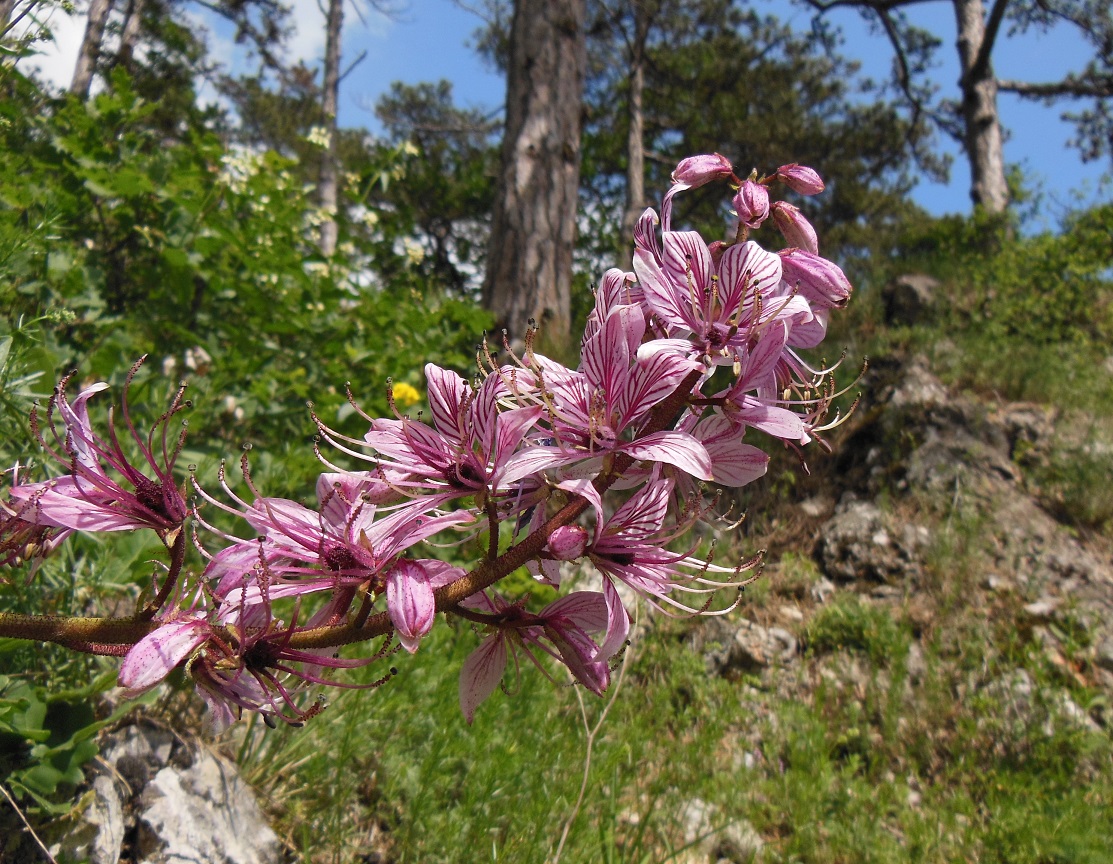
x,y
697,170
800,178
752,204
820,281
795,227
568,542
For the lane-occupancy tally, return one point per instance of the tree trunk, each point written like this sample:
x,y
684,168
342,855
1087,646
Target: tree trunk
x,y
533,228
635,139
982,124
327,188
6,8
130,34
90,47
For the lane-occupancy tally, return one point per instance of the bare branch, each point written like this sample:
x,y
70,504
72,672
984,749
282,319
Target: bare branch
x,y
823,6
1096,86
362,56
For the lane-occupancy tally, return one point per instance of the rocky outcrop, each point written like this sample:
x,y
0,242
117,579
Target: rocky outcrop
x,y
159,799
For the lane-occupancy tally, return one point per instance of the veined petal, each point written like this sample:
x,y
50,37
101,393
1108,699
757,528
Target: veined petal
x,y
446,390
745,270
618,623
642,515
156,655
736,464
586,609
80,431
645,234
583,487
67,504
778,422
660,295
280,518
759,366
687,264
534,460
510,428
484,414
809,333
481,674
650,381
607,355
678,449
410,603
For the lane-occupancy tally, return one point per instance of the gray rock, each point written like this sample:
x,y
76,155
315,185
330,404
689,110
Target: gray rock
x,y
98,837
179,801
855,545
1103,655
750,648
909,299
822,590
736,842
206,814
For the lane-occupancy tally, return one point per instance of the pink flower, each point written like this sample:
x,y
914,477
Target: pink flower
x,y
800,178
821,282
562,630
409,597
599,409
695,171
91,498
752,204
470,444
715,305
794,227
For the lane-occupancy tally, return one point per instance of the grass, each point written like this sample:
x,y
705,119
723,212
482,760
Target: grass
x,y
871,766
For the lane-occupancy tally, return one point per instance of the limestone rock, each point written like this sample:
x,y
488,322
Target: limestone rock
x,y
175,801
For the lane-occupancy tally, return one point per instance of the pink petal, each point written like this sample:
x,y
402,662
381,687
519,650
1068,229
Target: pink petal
x,y
65,505
660,295
643,513
410,603
618,623
652,380
673,448
446,390
736,464
778,422
534,460
156,655
746,270
688,263
481,674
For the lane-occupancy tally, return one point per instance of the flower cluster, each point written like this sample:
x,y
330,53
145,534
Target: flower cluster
x,y
684,360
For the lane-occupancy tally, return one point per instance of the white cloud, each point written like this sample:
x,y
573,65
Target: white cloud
x,y
56,60
307,43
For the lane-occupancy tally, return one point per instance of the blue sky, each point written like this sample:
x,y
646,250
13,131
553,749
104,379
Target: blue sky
x,y
429,40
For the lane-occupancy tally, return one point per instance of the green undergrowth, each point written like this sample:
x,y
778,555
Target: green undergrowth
x,y
969,756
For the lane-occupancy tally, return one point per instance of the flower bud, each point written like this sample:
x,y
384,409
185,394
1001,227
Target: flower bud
x,y
752,204
794,227
800,178
568,542
697,170
717,248
820,281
